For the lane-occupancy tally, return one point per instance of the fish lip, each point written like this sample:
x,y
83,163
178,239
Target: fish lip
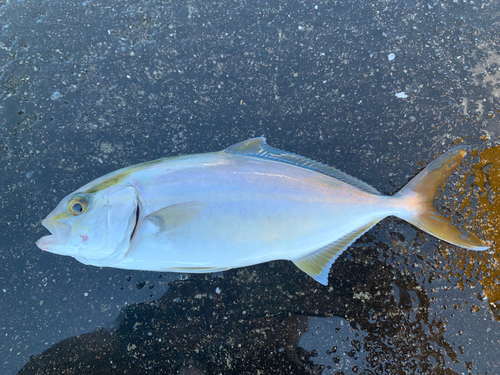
x,y
46,242
59,235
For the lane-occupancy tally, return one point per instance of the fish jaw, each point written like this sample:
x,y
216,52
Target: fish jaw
x,y
59,236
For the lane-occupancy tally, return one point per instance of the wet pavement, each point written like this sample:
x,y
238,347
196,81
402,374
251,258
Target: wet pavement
x,y
376,89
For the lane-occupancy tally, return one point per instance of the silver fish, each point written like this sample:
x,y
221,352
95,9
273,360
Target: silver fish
x,y
247,204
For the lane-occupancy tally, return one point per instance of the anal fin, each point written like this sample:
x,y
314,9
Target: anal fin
x,y
317,264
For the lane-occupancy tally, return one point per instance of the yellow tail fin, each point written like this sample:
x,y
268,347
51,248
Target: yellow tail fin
x,y
419,194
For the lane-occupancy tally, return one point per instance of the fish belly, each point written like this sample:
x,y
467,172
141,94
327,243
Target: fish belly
x,y
254,211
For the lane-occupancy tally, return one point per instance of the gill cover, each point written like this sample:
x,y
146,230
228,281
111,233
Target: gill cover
x,y
104,230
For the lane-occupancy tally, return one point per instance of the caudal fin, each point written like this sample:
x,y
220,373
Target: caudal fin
x,y
419,193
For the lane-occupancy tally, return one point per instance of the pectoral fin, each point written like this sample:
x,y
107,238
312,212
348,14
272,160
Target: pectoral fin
x,y
175,216
317,264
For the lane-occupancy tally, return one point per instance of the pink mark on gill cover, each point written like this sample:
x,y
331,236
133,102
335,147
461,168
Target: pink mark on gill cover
x,y
84,237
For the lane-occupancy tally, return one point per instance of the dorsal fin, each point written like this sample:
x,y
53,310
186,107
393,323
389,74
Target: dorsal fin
x,y
259,148
317,264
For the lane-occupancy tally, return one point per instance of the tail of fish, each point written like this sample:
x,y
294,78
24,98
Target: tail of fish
x,y
413,203
418,196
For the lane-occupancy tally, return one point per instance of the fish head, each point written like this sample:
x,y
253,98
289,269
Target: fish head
x,y
95,227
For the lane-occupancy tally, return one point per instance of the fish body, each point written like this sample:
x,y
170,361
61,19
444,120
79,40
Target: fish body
x,y
248,204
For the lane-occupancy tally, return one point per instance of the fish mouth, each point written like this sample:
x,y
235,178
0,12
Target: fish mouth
x,y
59,235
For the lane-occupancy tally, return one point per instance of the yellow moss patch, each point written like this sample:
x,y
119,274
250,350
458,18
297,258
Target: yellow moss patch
x,y
486,189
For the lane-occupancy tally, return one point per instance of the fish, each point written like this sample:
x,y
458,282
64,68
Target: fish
x,y
248,204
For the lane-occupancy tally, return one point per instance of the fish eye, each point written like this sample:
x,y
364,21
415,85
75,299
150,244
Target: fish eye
x,y
78,204
77,208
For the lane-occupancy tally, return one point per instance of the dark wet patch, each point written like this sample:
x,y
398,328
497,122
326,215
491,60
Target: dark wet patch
x,y
259,319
